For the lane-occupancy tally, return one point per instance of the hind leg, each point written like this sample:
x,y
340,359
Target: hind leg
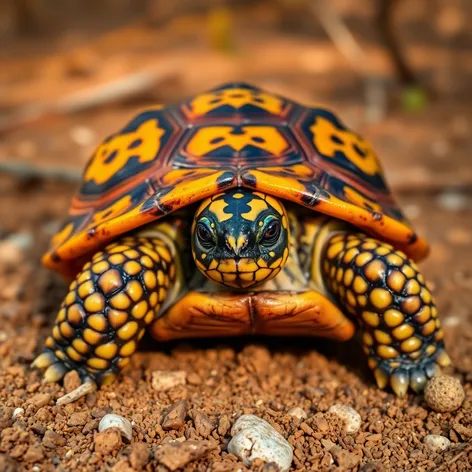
x,y
107,309
388,295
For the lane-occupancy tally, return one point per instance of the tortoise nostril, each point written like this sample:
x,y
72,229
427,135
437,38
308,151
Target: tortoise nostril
x,y
231,243
236,246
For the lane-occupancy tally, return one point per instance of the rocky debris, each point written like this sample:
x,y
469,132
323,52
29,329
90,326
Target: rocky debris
x,y
436,443
194,379
444,393
298,413
33,454
17,412
464,432
176,455
10,252
108,441
203,425
352,419
254,438
114,421
7,464
79,418
51,440
223,425
139,456
5,417
71,381
162,380
40,399
345,459
77,393
174,416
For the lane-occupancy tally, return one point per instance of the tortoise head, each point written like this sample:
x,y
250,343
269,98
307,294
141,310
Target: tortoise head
x,y
240,238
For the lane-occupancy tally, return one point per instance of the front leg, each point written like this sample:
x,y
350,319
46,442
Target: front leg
x,y
388,295
107,309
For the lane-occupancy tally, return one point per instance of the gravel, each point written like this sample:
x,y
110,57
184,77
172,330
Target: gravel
x,y
352,419
254,438
116,421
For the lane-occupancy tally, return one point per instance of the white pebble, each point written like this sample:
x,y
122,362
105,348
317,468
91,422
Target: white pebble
x,y
82,135
254,438
17,412
298,413
436,443
351,417
165,380
453,200
116,421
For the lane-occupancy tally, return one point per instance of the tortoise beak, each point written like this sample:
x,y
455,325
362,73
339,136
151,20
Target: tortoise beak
x,y
236,245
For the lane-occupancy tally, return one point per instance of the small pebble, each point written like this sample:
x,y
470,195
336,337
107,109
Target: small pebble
x,y
254,438
108,441
298,413
194,379
177,454
345,459
351,417
78,419
165,380
40,399
444,393
203,425
453,200
174,416
139,456
51,440
12,249
436,443
112,420
82,135
71,381
223,425
17,412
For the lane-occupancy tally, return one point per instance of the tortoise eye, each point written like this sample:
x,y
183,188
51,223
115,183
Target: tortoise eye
x,y
271,233
204,235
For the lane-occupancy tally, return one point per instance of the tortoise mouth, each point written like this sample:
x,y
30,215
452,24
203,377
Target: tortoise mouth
x,y
242,273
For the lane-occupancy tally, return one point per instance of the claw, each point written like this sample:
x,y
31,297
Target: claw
x,y
399,383
417,381
44,360
108,378
443,359
381,377
432,370
55,372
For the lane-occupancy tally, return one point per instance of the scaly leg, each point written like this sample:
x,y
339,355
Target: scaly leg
x,y
108,307
388,295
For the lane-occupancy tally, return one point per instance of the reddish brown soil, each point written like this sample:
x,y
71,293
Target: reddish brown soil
x,y
225,378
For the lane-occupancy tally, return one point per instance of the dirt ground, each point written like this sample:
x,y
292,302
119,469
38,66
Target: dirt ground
x,y
426,155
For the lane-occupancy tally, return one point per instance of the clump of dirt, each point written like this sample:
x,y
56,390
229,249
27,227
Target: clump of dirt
x,y
188,425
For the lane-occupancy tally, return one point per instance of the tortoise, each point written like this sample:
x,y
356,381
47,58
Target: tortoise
x,y
236,212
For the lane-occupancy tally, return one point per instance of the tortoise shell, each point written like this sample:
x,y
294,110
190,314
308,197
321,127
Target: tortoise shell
x,y
235,135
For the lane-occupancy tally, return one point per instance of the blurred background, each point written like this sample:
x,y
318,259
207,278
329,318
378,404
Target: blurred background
x,y
398,71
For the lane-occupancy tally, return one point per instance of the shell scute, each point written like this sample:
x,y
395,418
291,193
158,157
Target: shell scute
x,y
234,135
